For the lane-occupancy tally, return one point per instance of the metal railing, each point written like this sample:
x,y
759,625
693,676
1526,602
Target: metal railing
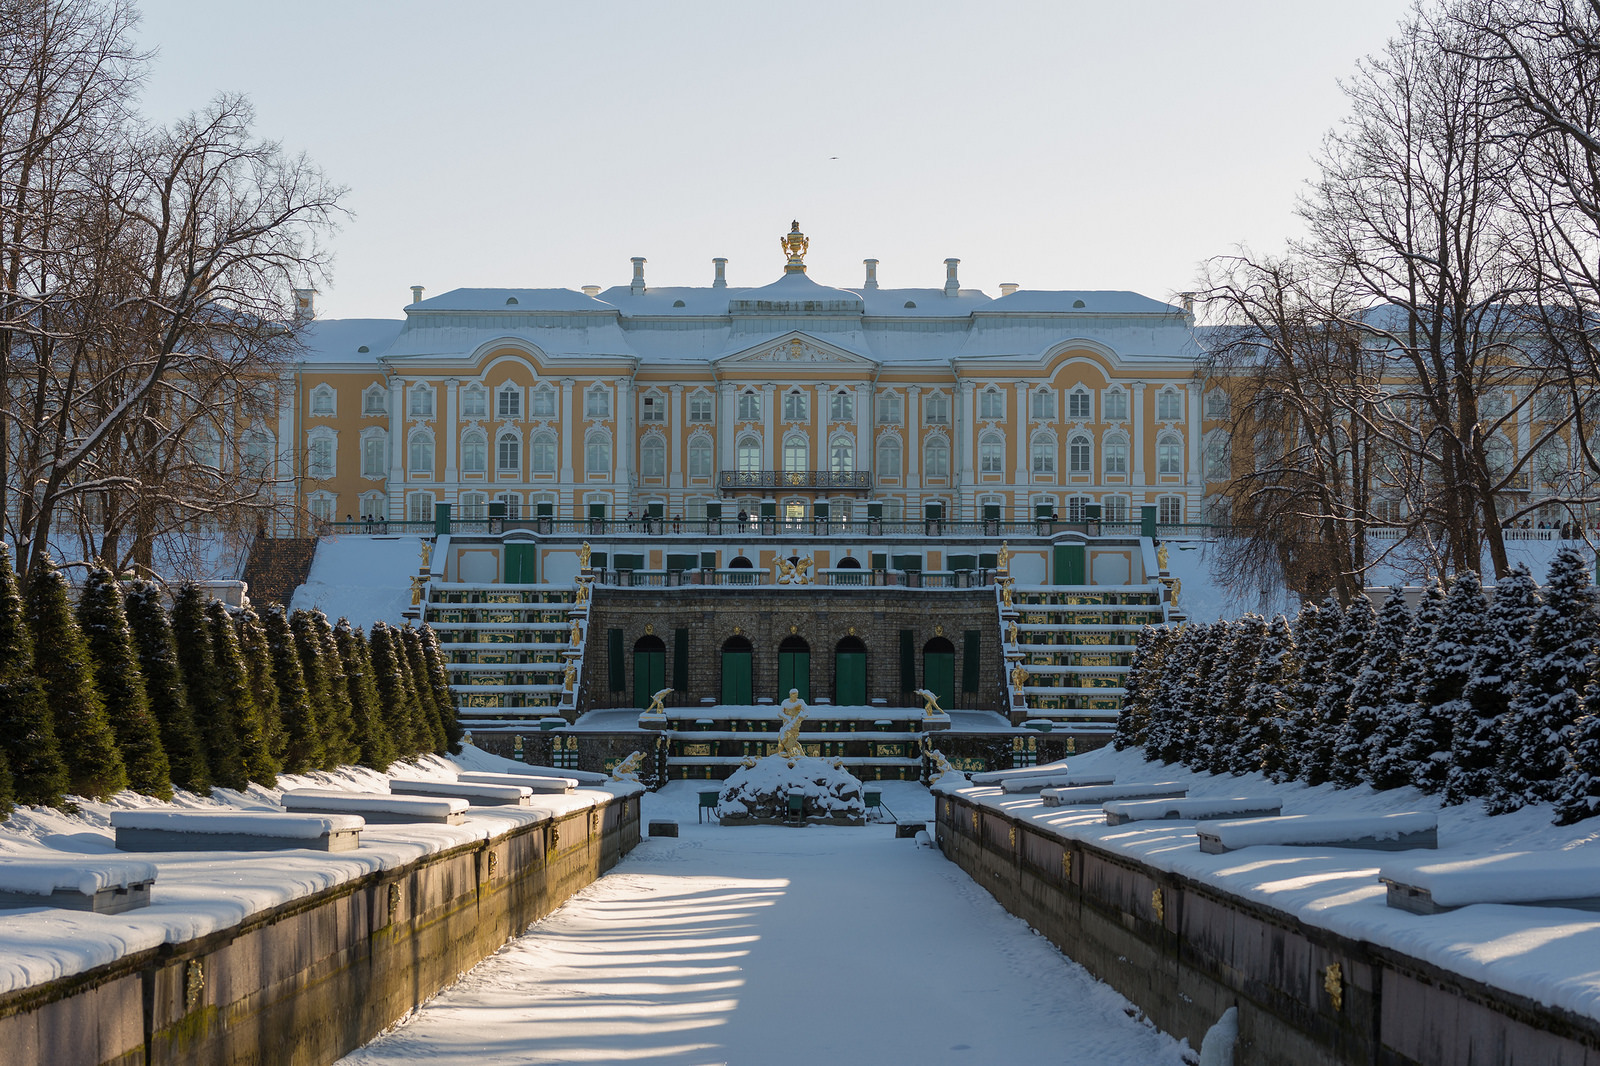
x,y
841,480
773,525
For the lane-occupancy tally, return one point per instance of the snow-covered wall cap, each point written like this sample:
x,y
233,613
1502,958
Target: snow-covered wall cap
x,y
1081,301
347,340
512,300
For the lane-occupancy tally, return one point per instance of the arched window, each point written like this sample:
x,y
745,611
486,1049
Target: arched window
x,y
1219,458
842,406
991,453
1044,455
419,454
891,409
474,452
542,402
1216,405
700,406
749,455
889,457
1043,401
794,667
1080,454
1169,454
543,458
936,457
322,401
1080,406
796,454
597,404
597,455
991,403
1116,454
375,401
508,402
1169,405
842,455
653,457
795,407
653,407
700,456
507,455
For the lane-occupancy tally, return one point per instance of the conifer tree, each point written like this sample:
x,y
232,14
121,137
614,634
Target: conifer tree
x,y
250,758
302,733
213,712
1549,698
263,688
443,698
8,789
1315,631
1387,765
1496,664
371,732
1184,709
1260,747
1370,690
66,674
431,722
319,692
340,728
164,687
1139,687
389,678
1247,637
121,682
1345,657
1578,792
1439,686
27,728
1205,706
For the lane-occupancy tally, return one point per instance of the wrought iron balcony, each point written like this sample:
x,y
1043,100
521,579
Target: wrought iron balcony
x,y
796,480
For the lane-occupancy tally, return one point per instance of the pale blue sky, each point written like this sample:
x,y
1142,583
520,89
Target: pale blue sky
x,y
1056,144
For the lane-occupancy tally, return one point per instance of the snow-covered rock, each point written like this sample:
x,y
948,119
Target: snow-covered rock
x,y
762,791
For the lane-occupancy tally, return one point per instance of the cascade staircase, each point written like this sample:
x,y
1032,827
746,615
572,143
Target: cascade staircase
x,y
277,566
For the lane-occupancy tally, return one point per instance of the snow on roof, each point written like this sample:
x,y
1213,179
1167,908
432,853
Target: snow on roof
x,y
925,303
511,299
341,340
1080,301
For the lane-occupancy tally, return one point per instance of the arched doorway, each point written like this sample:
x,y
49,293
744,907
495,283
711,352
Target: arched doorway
x,y
649,669
794,668
939,670
736,670
850,673
849,562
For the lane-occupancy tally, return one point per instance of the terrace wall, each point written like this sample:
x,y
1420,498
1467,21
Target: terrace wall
x,y
311,980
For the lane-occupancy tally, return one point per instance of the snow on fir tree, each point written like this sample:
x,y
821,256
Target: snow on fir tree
x,y
439,679
1497,664
1578,792
263,685
1549,699
1140,684
432,715
104,623
66,672
1209,715
164,687
1431,728
1345,657
376,746
1368,694
1163,741
212,709
297,714
27,728
251,748
1260,745
1247,635
1388,765
340,730
1315,631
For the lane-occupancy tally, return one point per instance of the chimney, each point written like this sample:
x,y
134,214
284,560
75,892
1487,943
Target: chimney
x,y
721,280
951,285
1186,299
416,294
1008,287
872,273
591,290
305,304
637,287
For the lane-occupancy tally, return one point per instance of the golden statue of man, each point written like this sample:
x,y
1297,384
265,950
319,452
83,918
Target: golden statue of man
x,y
1019,677
1005,594
571,676
1161,557
583,556
793,710
1003,560
576,634
1011,631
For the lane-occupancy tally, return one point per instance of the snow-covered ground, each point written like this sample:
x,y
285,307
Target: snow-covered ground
x,y
770,945
1545,953
363,578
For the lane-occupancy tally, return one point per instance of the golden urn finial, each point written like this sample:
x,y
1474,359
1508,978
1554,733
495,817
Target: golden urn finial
x,y
794,246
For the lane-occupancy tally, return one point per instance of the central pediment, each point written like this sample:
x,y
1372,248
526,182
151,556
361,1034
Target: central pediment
x,y
792,350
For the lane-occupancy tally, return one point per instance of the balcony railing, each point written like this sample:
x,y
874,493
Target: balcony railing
x,y
818,480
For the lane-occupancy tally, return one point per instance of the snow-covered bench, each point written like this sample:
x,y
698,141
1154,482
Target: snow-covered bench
x,y
548,783
163,830
994,777
1034,784
377,807
1530,878
477,795
1071,797
1378,832
75,882
1120,812
582,777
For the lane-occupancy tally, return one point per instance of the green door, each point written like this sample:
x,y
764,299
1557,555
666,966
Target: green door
x,y
939,672
850,678
521,564
736,677
1070,565
649,672
794,672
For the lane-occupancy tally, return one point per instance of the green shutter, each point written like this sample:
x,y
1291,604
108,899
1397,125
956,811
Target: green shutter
x,y
619,672
969,661
850,679
649,676
961,562
629,562
736,688
794,672
1071,565
939,676
676,561
708,560
880,560
522,564
680,660
908,562
597,561
908,661
988,560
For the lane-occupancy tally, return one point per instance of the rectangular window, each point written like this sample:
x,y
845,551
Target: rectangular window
x,y
1117,457
1078,406
1216,404
1044,458
321,461
749,407
374,457
322,508
422,403
1078,455
795,407
509,403
1115,406
654,409
700,407
991,457
890,409
597,403
373,402
1169,510
473,403
1116,509
419,507
841,407
991,404
937,409
1169,406
322,401
1169,456
544,455
700,457
1044,404
543,403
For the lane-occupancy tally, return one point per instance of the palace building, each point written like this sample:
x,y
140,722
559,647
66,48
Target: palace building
x,y
793,399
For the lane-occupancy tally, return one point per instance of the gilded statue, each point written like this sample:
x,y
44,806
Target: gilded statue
x,y
571,677
427,554
1161,557
1005,594
1011,631
658,703
786,572
1003,560
583,593
803,571
1177,586
941,765
930,703
628,769
416,589
583,556
577,636
1019,677
793,710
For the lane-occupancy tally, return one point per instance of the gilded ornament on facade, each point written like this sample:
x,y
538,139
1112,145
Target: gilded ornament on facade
x,y
649,629
794,245
1158,903
1066,865
1333,984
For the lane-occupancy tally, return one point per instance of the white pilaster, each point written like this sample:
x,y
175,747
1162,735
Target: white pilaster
x,y
677,432
569,425
397,449
1194,434
727,411
865,457
1137,417
769,415
448,430
913,441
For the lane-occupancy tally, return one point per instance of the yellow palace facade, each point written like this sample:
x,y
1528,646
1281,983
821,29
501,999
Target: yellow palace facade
x,y
793,399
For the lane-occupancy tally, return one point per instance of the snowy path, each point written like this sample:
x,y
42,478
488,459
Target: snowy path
x,y
768,946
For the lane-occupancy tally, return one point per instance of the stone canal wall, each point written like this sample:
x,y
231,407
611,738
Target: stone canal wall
x,y
1185,952
311,980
